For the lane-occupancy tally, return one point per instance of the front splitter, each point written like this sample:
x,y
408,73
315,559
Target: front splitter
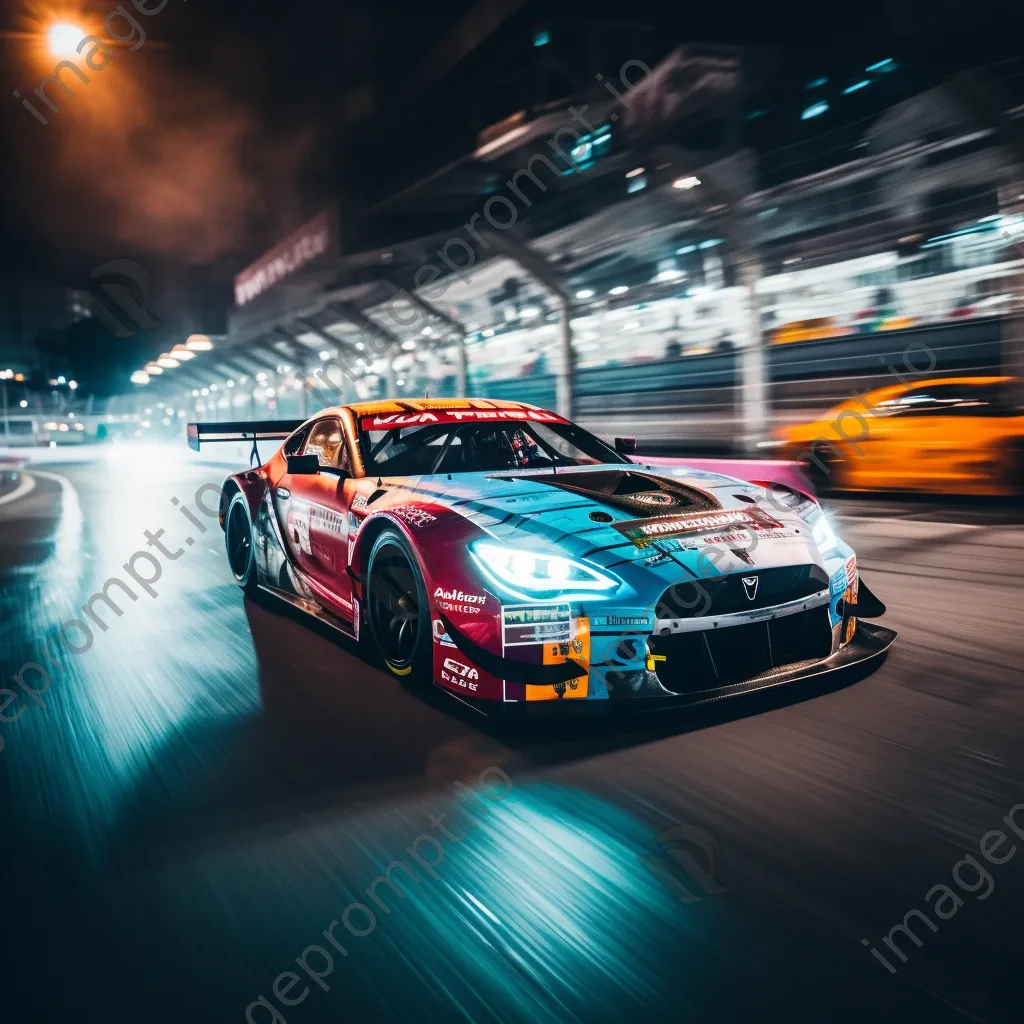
x,y
870,642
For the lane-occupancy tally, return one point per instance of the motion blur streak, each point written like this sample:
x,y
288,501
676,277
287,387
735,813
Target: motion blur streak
x,y
217,779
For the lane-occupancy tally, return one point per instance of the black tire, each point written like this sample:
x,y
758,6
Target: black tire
x,y
238,540
398,610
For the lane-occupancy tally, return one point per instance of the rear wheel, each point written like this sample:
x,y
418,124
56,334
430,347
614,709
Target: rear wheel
x,y
238,541
823,468
397,609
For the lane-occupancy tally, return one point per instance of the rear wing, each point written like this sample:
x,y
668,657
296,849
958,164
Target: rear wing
x,y
252,430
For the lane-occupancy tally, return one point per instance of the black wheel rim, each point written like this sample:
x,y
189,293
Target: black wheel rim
x,y
239,541
394,606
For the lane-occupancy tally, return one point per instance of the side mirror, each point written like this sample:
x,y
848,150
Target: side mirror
x,y
303,465
625,445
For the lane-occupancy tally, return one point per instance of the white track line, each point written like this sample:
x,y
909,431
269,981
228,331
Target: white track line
x,y
27,485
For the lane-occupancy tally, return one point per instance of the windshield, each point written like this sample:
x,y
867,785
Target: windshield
x,y
481,448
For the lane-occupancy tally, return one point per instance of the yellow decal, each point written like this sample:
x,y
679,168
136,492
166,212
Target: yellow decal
x,y
577,649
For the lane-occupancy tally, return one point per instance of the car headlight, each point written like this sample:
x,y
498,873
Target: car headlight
x,y
540,574
824,536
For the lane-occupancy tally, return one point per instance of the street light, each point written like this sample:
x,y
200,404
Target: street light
x,y
63,40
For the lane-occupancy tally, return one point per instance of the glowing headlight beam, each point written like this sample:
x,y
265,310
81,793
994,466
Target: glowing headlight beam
x,y
537,573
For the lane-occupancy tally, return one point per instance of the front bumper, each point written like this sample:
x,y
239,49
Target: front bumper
x,y
869,643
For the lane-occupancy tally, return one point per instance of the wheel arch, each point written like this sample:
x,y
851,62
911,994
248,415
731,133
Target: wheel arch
x,y
252,484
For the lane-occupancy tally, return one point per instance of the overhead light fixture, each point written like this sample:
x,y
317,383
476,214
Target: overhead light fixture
x,y
167,362
62,380
204,392
325,355
182,353
635,172
229,383
199,343
856,87
585,293
690,181
153,370
140,377
73,384
883,65
619,289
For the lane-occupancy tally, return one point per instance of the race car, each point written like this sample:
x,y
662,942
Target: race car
x,y
954,435
506,555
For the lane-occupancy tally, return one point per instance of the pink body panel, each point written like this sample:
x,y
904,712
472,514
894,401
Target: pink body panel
x,y
752,470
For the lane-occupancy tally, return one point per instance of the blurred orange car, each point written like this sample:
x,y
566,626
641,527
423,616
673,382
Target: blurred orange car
x,y
956,435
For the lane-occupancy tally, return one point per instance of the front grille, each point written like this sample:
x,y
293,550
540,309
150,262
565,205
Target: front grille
x,y
721,595
714,658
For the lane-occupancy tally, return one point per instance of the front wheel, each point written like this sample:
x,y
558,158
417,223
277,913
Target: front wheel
x,y
397,608
238,541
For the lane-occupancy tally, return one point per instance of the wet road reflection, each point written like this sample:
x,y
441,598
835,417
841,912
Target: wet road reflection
x,y
215,781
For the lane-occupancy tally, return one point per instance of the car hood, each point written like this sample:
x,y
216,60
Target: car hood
x,y
620,516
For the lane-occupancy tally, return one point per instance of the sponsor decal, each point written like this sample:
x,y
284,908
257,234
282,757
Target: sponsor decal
x,y
458,601
851,569
440,636
529,624
326,520
642,531
653,498
413,515
298,525
637,619
839,582
600,517
454,680
652,561
458,595
462,671
576,649
356,616
749,586
396,421
359,502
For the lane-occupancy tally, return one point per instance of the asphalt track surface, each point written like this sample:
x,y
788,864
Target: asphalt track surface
x,y
214,781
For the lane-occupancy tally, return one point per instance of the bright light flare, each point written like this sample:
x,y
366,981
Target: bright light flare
x,y
63,40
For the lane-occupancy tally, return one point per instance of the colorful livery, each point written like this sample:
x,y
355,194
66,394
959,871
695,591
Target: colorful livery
x,y
510,557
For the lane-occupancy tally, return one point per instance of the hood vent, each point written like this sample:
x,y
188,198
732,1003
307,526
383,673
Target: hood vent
x,y
639,494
